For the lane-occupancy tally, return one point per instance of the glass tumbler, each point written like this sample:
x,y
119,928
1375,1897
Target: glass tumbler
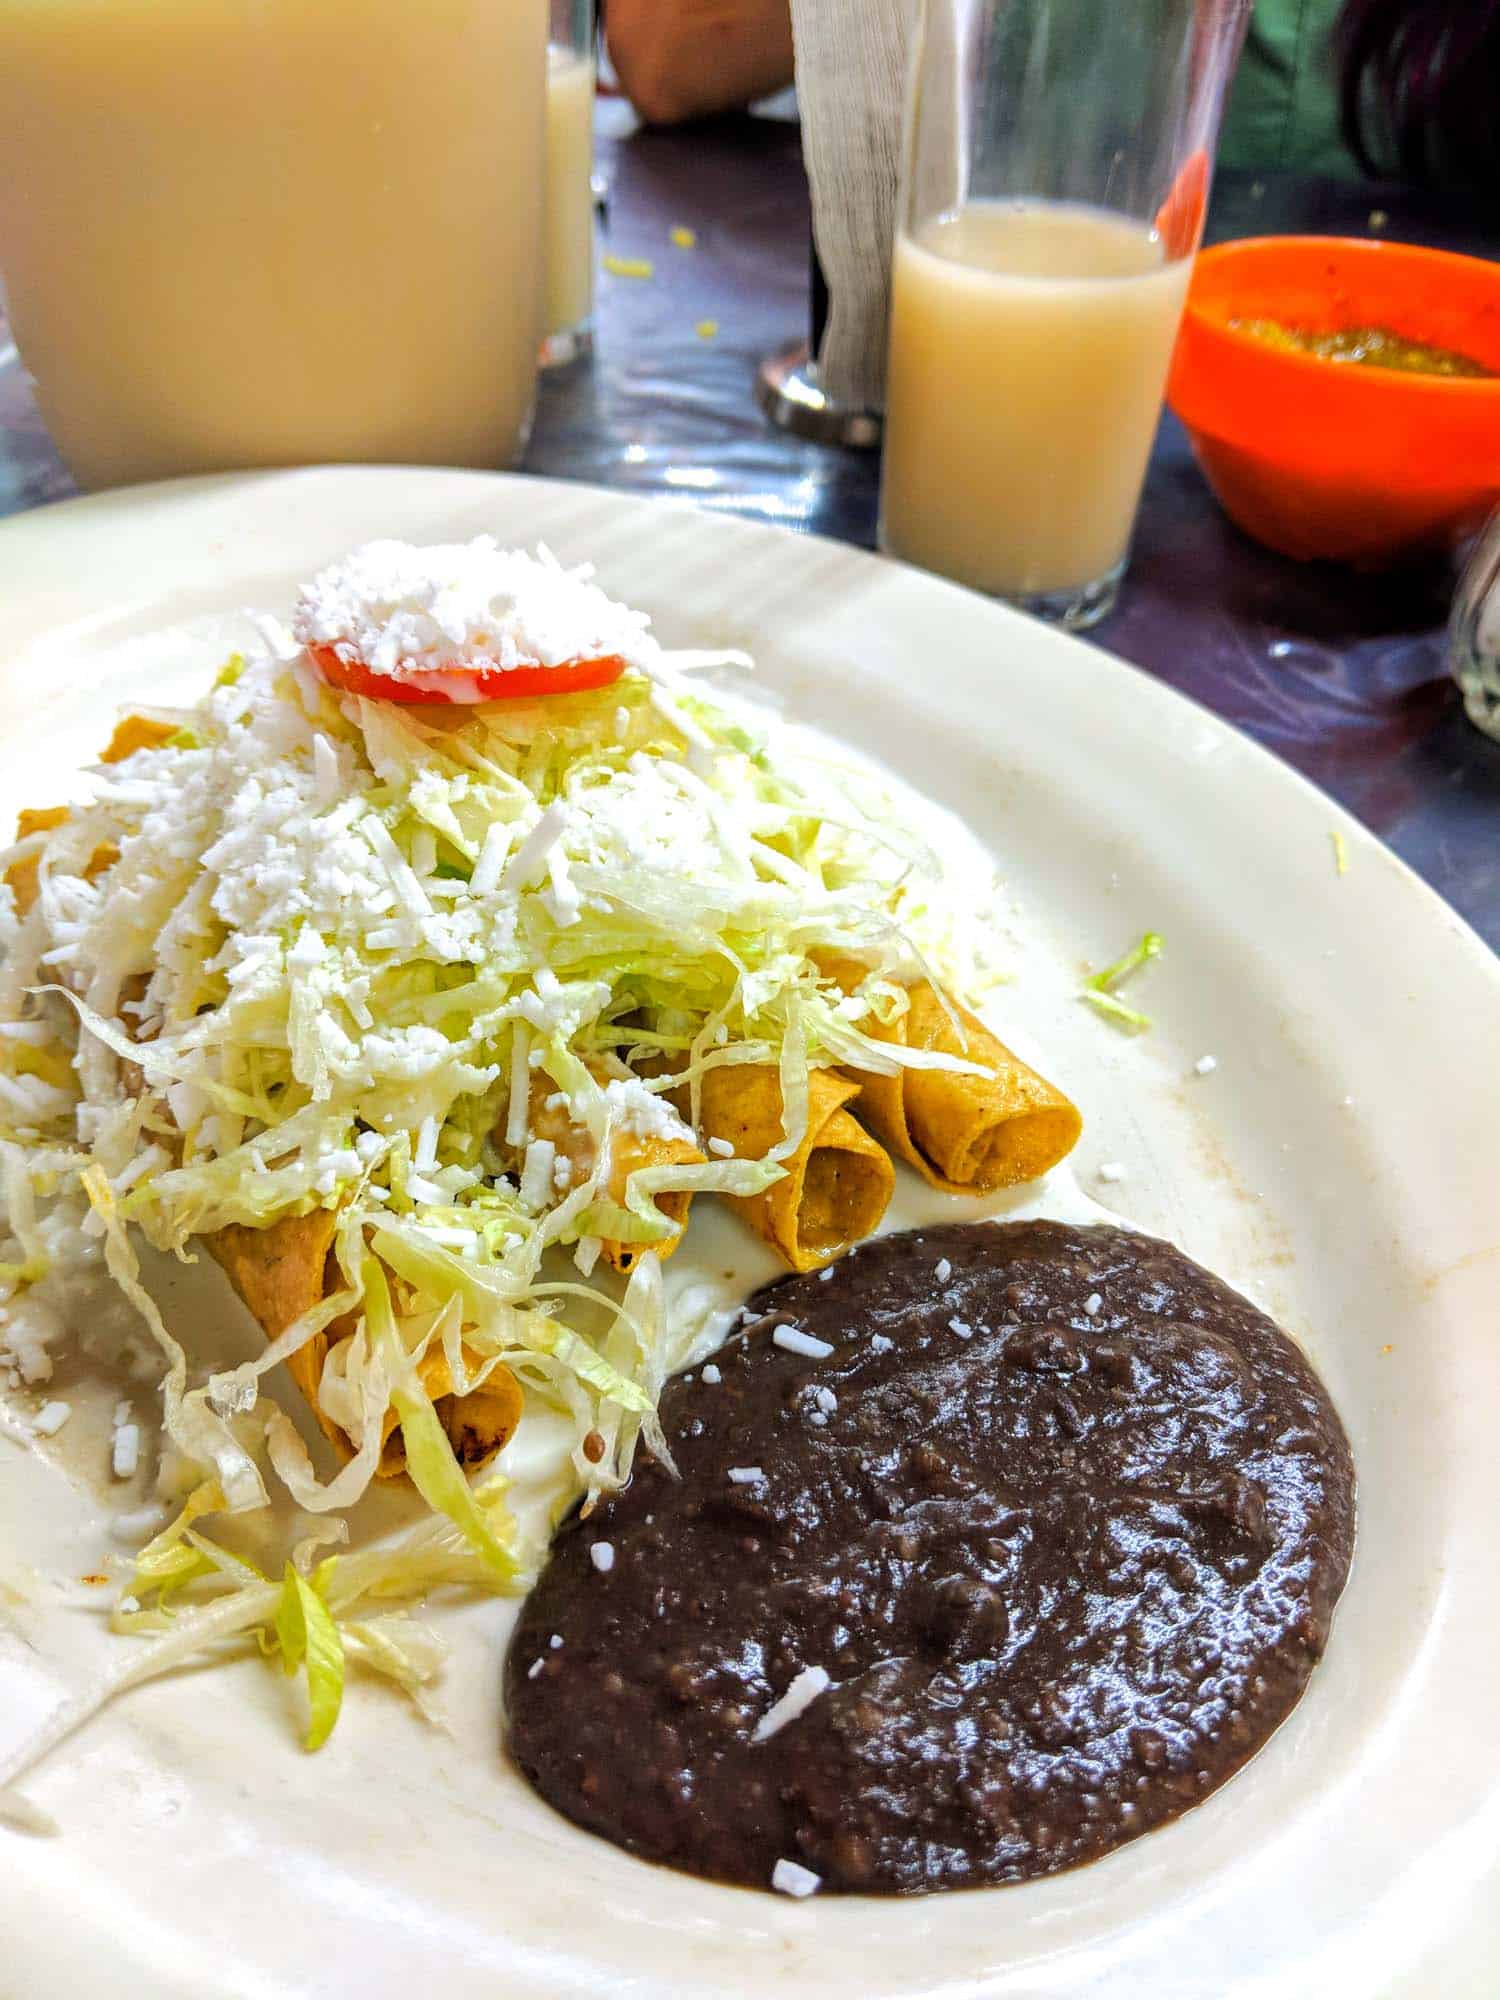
x,y
569,302
268,232
1056,166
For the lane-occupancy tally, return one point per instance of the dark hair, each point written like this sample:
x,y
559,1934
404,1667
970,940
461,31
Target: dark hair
x,y
1419,88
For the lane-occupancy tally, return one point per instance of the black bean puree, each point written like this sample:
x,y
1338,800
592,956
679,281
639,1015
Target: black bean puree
x,y
1066,1571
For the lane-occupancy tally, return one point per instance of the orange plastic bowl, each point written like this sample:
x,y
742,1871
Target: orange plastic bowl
x,y
1322,458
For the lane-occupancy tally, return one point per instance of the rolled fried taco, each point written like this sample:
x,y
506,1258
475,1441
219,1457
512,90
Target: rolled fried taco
x,y
283,1271
838,1182
963,1133
634,1142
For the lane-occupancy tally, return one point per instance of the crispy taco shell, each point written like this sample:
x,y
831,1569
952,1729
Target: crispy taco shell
x,y
628,1152
22,875
284,1271
838,1182
136,732
966,1134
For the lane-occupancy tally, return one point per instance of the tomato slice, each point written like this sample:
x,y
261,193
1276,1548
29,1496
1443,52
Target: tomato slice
x,y
489,683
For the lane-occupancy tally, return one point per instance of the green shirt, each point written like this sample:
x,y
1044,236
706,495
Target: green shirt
x,y
1283,105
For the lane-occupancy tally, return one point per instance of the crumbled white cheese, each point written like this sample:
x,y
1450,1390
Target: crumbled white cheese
x,y
721,1149
125,1443
586,1256
962,1328
402,877
520,1086
326,770
825,1274
880,1343
1093,1304
187,1104
712,1374
643,1113
602,1556
942,1270
795,1341
485,878
802,1691
826,1401
555,1641
29,1327
419,613
535,1668
1205,1065
50,1418
529,862
557,1009
537,1175
792,1879
424,1156
745,1475
561,898
309,950
149,1162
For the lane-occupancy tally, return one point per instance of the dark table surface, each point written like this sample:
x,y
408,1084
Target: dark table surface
x,y
1341,674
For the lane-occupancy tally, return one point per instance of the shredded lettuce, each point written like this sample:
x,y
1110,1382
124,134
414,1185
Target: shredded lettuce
x,y
1099,992
430,1463
189,1421
192,1599
310,1638
439,1479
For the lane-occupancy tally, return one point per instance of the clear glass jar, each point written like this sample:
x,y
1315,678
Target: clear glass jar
x,y
1474,632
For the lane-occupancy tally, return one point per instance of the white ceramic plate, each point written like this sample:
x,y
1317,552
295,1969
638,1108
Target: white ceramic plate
x,y
1341,1163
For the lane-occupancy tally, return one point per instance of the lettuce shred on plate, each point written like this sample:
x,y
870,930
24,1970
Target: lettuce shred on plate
x,y
310,952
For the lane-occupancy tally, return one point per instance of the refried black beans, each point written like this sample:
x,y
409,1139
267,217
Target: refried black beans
x,y
1061,1517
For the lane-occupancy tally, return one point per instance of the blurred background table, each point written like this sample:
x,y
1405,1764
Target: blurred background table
x,y
1341,674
